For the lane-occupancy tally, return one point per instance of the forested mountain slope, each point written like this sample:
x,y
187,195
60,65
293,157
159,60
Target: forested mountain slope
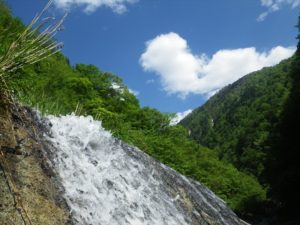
x,y
283,171
238,120
254,124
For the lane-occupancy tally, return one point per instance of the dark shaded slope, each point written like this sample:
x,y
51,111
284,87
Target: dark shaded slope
x,y
284,165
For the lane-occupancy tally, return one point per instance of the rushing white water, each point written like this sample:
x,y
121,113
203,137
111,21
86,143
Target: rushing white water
x,y
109,183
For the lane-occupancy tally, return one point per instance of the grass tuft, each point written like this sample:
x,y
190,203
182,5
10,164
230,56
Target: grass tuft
x,y
34,44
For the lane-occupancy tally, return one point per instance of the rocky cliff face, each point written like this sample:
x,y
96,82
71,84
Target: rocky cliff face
x,y
29,190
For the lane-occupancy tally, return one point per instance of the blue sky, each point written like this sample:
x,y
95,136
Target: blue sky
x,y
174,53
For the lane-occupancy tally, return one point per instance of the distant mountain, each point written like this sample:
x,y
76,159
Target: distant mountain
x,y
254,124
238,121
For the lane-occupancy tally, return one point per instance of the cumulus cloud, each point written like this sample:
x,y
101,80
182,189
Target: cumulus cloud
x,y
182,73
179,116
151,81
134,92
118,6
275,5
117,88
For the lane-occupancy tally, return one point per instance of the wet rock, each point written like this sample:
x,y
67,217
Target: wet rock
x,y
28,194
127,185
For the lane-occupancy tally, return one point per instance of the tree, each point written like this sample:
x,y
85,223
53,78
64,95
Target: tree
x,y
285,167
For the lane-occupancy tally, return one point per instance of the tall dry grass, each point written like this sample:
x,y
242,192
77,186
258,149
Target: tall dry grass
x,y
33,44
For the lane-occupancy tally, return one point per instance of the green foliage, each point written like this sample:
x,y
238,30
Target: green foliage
x,y
55,87
254,124
238,121
283,166
9,27
23,46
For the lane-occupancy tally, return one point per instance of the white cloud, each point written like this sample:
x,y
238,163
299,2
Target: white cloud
x,y
275,5
267,3
151,81
117,87
118,6
182,73
212,93
179,116
134,92
262,16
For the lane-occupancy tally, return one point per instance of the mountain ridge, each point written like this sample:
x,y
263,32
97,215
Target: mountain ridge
x,y
253,124
251,105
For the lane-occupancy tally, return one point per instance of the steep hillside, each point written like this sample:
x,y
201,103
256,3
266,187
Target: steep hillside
x,y
30,192
239,120
283,171
254,124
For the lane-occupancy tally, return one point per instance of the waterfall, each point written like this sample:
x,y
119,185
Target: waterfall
x,y
107,182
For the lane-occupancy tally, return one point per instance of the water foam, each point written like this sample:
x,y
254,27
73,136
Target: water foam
x,y
107,182
103,184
